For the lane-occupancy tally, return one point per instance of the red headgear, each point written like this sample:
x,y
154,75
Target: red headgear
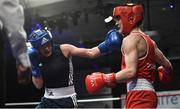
x,y
129,14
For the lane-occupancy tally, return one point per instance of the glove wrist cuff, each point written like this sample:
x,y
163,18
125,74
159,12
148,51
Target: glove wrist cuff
x,y
110,80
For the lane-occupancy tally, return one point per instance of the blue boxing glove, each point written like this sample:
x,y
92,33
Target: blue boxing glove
x,y
36,72
112,42
34,58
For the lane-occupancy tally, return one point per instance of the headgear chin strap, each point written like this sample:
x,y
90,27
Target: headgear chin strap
x,y
130,15
39,38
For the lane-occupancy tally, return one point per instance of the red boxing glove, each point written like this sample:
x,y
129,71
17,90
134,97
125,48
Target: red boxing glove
x,y
98,80
163,76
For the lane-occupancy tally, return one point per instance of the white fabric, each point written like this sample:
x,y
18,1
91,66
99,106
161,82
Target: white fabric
x,y
57,93
140,84
12,19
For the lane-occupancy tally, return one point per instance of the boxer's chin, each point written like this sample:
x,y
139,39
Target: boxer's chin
x,y
47,54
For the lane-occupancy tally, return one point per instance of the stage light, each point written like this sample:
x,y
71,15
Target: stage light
x,y
172,4
46,28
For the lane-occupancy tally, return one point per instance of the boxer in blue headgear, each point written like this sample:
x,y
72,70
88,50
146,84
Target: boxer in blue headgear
x,y
39,38
52,66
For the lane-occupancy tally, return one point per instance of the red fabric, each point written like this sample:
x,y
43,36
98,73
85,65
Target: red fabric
x,y
141,99
146,70
146,64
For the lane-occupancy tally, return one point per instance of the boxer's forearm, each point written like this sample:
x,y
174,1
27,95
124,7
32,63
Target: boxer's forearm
x,y
38,82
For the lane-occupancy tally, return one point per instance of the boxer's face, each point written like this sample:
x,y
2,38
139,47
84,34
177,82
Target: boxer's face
x,y
46,50
119,23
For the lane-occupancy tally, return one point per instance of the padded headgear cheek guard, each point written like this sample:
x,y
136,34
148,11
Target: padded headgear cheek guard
x,y
130,15
39,38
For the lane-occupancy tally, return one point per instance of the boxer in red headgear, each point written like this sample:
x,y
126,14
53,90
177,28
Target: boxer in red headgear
x,y
130,15
139,57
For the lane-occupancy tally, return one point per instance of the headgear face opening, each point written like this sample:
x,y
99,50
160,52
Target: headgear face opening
x,y
130,15
39,38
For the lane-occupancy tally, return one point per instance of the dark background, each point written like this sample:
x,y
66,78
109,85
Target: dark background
x,y
81,23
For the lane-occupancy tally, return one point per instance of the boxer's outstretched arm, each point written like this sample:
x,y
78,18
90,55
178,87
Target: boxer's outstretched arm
x,y
113,41
70,50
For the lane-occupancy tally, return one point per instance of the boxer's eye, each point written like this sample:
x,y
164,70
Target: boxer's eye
x,y
117,18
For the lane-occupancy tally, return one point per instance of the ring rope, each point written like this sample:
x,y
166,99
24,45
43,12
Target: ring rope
x,y
86,100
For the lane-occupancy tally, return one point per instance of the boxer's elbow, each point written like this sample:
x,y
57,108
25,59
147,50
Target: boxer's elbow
x,y
126,75
92,55
131,73
38,82
94,52
39,85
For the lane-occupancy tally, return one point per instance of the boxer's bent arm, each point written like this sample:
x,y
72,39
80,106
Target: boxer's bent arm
x,y
12,16
36,72
131,60
70,50
34,57
162,60
38,82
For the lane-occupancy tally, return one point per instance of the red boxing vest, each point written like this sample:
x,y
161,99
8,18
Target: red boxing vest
x,y
146,65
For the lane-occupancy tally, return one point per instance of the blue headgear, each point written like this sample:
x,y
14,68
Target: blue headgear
x,y
39,38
